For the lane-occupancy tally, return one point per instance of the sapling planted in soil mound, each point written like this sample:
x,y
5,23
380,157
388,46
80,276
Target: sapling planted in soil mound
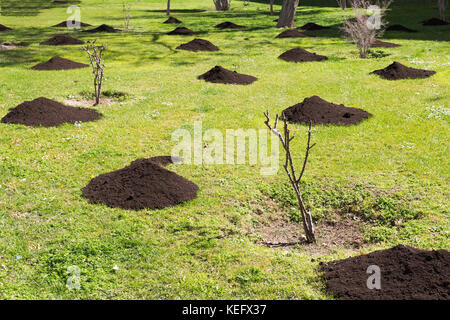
x,y
292,33
399,273
301,55
172,20
229,25
48,113
58,63
61,40
219,74
182,31
397,71
319,111
95,54
143,184
198,45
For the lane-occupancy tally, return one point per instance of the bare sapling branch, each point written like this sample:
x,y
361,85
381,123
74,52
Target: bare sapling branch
x,y
289,167
126,8
95,54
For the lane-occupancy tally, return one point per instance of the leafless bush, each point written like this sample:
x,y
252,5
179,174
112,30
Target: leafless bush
x,y
286,139
222,5
95,54
368,23
442,5
126,8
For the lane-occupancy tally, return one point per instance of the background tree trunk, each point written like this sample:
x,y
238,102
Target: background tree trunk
x,y
287,14
271,7
168,8
343,4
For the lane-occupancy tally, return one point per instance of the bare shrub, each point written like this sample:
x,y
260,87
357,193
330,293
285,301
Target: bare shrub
x,y
289,167
126,8
368,23
95,54
222,5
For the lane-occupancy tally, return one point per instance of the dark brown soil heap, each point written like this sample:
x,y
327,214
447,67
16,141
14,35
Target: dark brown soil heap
x,y
4,28
61,40
292,33
434,22
182,31
320,111
381,44
144,184
48,113
102,28
406,274
229,25
397,71
63,24
398,27
301,55
58,63
198,45
172,20
219,74
312,26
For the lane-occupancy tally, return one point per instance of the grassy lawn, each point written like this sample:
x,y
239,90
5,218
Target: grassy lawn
x,y
391,170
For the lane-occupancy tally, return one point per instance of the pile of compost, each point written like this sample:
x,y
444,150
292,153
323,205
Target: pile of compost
x,y
397,71
64,24
61,40
292,33
229,25
406,273
312,26
301,55
198,45
399,27
382,44
172,20
434,22
182,31
58,63
143,184
219,74
48,113
102,28
4,28
319,111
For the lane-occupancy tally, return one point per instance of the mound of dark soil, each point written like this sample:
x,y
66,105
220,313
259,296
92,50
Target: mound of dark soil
x,y
434,22
399,27
172,20
292,33
63,24
301,55
312,26
319,111
61,40
182,31
102,28
229,25
48,113
4,28
143,184
406,274
381,44
219,74
397,71
198,45
58,63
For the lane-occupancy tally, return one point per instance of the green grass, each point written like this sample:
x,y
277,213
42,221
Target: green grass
x,y
390,167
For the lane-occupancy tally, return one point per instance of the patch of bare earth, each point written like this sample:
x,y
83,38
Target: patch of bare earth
x,y
275,229
88,102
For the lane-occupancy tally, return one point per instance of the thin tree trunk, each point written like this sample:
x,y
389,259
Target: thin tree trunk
x,y
168,8
287,14
271,7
